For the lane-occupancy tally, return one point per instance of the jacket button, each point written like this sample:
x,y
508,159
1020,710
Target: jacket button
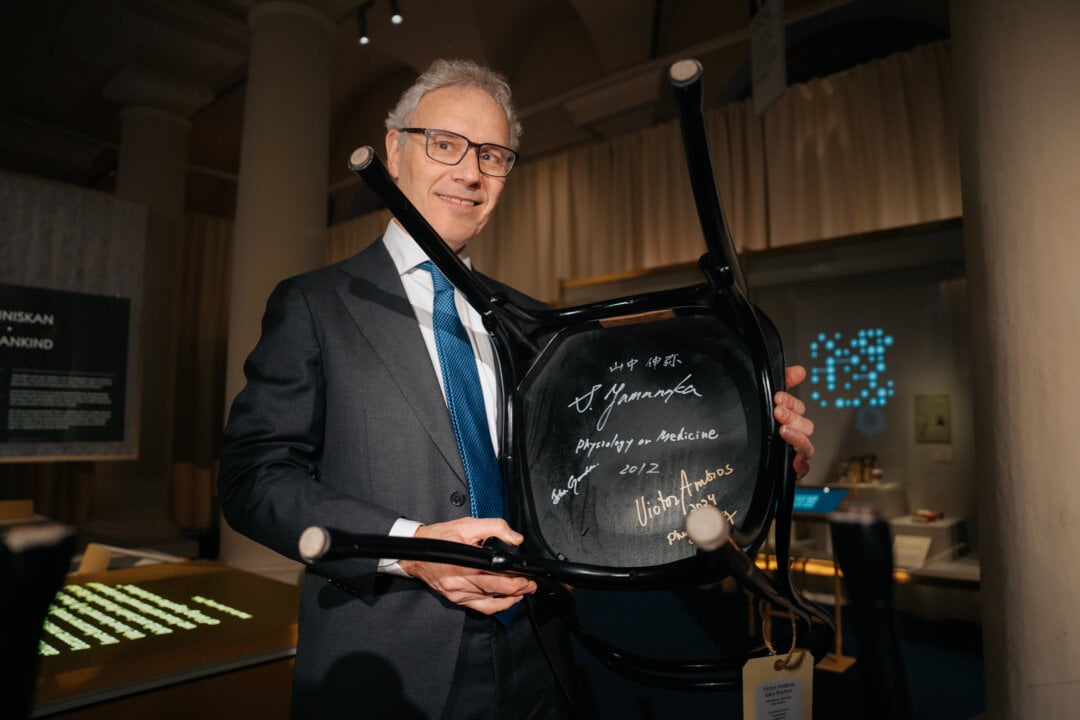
x,y
457,498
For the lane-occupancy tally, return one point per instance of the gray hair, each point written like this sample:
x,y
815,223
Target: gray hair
x,y
446,73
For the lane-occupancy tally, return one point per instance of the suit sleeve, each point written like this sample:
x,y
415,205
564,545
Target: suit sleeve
x,y
269,482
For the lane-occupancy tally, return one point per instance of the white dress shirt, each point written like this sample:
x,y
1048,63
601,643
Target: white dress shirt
x,y
420,291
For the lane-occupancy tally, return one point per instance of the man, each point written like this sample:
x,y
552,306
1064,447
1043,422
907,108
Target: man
x,y
344,423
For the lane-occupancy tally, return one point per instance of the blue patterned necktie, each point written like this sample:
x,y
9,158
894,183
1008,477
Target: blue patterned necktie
x,y
465,400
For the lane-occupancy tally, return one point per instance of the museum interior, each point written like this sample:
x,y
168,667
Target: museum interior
x,y
899,183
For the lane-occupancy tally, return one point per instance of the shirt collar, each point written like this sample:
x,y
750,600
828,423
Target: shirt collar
x,y
404,251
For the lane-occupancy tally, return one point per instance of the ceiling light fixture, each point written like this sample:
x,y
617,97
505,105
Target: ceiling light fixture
x,y
361,19
361,23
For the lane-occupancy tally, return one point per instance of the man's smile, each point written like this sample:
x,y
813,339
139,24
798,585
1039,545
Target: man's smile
x,y
457,200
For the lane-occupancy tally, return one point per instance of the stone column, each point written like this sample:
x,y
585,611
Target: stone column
x,y
152,170
281,207
1018,109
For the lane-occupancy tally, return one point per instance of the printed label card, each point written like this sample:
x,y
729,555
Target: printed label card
x,y
773,691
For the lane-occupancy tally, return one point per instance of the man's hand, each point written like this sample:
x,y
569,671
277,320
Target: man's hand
x,y
485,592
794,427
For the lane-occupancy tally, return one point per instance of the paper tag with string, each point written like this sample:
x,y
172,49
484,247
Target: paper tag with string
x,y
779,693
778,687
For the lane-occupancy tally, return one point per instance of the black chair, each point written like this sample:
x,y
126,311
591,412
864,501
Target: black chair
x,y
622,417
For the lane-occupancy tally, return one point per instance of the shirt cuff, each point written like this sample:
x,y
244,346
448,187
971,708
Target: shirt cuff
x,y
402,527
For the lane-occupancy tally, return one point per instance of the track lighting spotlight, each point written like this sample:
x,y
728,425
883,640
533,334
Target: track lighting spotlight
x,y
361,24
361,19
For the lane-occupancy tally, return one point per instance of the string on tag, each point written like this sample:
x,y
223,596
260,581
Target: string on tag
x,y
766,631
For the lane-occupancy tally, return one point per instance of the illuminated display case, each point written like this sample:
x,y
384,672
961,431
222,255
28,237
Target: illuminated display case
x,y
189,634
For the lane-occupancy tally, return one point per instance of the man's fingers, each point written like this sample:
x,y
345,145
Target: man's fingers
x,y
492,605
483,583
794,375
802,467
484,592
493,584
788,417
789,402
487,593
801,442
471,531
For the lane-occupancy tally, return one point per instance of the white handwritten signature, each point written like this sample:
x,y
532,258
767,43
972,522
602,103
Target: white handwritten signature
x,y
617,395
648,509
558,494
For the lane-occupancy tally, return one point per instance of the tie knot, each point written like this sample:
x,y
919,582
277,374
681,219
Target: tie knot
x,y
439,281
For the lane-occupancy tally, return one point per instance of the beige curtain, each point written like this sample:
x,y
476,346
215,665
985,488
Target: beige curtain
x,y
200,368
61,491
867,149
620,205
871,148
348,238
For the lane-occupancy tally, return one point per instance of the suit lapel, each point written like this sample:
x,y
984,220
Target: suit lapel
x,y
376,300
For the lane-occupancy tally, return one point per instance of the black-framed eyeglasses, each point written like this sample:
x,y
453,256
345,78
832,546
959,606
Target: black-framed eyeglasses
x,y
449,148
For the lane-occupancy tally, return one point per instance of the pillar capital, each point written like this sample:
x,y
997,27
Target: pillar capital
x,y
323,11
136,84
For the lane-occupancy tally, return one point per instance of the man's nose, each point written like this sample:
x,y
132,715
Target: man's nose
x,y
468,169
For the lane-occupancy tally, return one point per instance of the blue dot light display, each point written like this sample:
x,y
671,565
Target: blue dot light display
x,y
850,372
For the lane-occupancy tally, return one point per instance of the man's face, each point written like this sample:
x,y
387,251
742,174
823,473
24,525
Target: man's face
x,y
456,200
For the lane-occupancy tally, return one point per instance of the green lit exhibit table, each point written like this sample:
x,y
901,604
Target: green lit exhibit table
x,y
190,639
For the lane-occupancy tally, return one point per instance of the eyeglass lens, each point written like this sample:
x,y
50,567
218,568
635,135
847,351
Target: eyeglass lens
x,y
449,148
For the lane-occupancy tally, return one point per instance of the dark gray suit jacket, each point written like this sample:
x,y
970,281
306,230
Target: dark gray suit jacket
x,y
342,424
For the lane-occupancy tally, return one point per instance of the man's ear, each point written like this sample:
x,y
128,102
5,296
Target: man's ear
x,y
393,148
